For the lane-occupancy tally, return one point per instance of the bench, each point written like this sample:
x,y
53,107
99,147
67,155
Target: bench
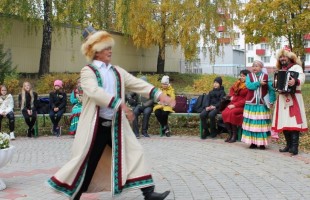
x,y
218,117
36,126
185,115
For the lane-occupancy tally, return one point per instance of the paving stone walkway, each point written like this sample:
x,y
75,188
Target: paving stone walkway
x,y
192,169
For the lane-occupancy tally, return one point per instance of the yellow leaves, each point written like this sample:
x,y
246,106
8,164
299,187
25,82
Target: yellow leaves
x,y
273,19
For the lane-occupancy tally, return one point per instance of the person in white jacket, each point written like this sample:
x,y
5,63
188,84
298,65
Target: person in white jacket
x,y
6,109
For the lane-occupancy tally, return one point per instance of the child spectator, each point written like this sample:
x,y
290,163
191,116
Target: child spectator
x,y
58,102
27,103
163,110
6,109
76,101
211,108
256,115
233,114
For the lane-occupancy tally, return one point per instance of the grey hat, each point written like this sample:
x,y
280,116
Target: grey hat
x,y
88,31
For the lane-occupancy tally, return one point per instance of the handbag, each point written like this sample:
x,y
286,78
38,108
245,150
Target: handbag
x,y
224,103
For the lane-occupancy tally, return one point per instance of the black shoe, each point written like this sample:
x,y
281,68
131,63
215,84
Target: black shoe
x,y
262,147
253,146
157,196
285,149
29,133
205,134
145,135
167,133
58,132
213,135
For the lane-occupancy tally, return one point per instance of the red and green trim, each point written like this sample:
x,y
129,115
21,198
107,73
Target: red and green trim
x,y
139,182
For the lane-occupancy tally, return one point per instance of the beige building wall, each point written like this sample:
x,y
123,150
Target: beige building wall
x,y
66,56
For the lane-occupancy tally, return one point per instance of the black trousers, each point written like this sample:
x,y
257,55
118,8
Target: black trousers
x,y
205,115
30,119
102,138
11,118
162,117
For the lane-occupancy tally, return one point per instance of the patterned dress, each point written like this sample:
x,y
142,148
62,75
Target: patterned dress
x,y
76,110
256,115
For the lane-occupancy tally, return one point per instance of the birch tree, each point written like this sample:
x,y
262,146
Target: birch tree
x,y
175,22
272,19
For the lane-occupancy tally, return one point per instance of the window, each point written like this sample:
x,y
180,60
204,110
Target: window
x,y
198,50
236,46
250,59
265,46
237,35
266,59
307,58
250,46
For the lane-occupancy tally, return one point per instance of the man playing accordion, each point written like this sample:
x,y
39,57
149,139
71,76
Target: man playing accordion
x,y
289,115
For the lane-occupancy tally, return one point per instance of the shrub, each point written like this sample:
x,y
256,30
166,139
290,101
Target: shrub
x,y
46,83
12,83
6,68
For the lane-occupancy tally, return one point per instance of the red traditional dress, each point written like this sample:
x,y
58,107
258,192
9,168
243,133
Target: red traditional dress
x,y
238,93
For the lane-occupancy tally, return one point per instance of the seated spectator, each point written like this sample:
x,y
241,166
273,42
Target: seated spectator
x,y
6,109
163,110
233,114
27,102
211,108
58,102
76,100
140,105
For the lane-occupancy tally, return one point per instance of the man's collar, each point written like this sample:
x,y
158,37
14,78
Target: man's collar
x,y
100,64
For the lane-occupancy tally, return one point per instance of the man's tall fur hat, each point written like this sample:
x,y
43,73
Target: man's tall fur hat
x,y
95,41
287,52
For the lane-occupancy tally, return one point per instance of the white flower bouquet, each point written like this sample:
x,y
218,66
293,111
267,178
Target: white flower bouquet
x,y
4,140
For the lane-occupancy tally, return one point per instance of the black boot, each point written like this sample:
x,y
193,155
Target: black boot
x,y
228,127
205,134
295,142
29,133
157,196
233,138
149,194
234,134
167,131
288,139
213,131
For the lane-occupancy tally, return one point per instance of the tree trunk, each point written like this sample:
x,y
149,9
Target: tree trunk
x,y
47,39
161,60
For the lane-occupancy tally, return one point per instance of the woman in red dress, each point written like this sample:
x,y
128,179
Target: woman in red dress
x,y
233,114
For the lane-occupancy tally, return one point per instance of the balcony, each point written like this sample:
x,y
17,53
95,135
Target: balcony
x,y
260,52
264,40
307,36
224,40
221,28
307,50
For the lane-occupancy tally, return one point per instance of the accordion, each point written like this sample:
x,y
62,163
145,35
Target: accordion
x,y
280,82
